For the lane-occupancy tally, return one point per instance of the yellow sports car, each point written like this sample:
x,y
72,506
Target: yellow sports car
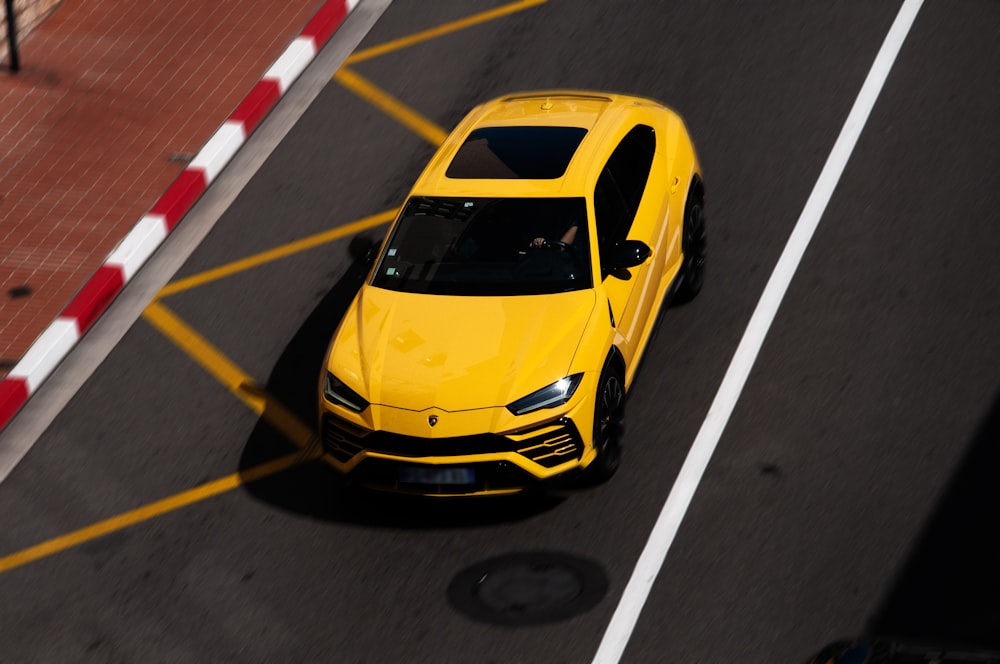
x,y
499,330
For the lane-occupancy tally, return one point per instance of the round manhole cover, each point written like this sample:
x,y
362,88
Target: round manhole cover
x,y
528,588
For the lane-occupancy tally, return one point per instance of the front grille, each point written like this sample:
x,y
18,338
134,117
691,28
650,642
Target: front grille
x,y
340,439
412,446
548,445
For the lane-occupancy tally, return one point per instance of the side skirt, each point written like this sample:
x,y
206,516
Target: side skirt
x,y
669,293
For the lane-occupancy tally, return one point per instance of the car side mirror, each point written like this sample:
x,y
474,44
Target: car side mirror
x,y
624,255
363,249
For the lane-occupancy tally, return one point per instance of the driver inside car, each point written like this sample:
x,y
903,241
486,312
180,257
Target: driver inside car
x,y
568,236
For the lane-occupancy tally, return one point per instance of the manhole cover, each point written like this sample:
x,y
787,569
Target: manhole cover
x,y
528,588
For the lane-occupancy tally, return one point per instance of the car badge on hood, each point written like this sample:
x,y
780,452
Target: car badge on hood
x,y
432,419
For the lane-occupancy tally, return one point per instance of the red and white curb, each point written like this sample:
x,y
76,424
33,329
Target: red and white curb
x,y
53,345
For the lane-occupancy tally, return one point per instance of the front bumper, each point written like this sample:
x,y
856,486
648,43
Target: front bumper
x,y
454,466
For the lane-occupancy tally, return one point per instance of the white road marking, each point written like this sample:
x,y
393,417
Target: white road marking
x,y
623,621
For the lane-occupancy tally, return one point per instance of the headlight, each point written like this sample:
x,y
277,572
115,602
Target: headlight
x,y
554,395
336,392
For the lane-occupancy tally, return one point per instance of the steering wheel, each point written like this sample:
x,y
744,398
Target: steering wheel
x,y
550,244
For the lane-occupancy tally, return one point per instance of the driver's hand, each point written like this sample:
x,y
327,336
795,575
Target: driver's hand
x,y
538,242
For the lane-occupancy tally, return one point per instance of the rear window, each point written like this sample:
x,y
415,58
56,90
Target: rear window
x,y
516,153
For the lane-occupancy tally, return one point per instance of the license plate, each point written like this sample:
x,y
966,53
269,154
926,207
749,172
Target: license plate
x,y
431,475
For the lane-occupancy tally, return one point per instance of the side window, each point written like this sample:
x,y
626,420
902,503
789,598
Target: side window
x,y
621,184
610,210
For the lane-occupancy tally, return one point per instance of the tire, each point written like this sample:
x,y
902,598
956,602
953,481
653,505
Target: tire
x,y
609,420
694,245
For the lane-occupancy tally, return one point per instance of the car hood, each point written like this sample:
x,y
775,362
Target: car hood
x,y
455,353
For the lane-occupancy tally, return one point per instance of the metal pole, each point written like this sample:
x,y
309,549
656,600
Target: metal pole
x,y
15,62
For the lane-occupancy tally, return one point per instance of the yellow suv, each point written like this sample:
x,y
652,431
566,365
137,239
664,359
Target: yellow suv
x,y
498,332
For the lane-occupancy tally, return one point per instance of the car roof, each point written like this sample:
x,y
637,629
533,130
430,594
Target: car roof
x,y
605,117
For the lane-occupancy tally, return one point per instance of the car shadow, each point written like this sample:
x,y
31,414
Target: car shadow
x,y
947,591
316,490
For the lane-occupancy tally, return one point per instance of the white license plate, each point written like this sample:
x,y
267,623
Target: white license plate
x,y
431,475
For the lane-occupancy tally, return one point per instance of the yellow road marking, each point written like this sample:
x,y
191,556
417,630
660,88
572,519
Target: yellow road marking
x,y
227,373
203,352
220,367
238,382
276,253
152,510
405,115
441,30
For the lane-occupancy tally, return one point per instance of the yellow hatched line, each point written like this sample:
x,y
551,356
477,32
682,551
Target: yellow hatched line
x,y
226,372
240,384
381,99
204,353
220,367
441,30
277,253
150,511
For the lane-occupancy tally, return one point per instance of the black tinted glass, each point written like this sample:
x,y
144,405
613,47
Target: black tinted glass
x,y
487,246
620,187
512,153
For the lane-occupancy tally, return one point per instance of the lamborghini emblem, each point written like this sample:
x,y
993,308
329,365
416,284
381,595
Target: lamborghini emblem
x,y
432,419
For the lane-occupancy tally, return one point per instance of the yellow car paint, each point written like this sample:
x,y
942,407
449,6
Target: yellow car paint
x,y
457,353
444,367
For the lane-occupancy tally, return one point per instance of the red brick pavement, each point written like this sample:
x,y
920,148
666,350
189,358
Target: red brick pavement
x,y
111,98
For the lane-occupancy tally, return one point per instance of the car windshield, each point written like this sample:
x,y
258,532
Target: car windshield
x,y
487,246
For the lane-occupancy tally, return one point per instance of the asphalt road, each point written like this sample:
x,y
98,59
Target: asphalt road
x,y
851,492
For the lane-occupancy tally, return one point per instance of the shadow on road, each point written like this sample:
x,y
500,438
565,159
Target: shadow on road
x,y
949,589
315,489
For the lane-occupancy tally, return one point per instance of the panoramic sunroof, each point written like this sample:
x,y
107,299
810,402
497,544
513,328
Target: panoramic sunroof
x,y
516,153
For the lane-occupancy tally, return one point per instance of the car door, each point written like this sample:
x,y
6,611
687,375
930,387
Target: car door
x,y
618,198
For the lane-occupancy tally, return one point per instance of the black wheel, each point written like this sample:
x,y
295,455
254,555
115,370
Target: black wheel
x,y
609,419
694,244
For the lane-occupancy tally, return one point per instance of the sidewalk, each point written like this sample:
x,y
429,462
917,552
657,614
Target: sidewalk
x,y
112,102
